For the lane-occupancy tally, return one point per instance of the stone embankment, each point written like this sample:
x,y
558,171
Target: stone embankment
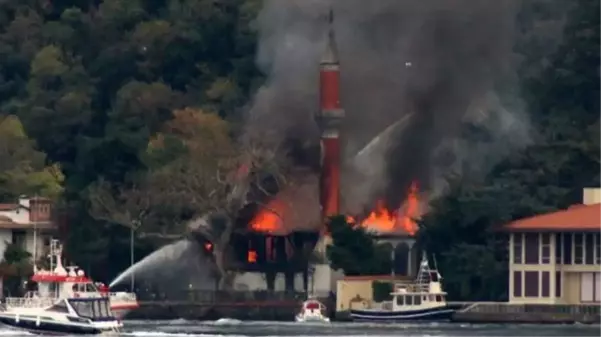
x,y
212,305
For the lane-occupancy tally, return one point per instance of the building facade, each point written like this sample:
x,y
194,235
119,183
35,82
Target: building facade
x,y
27,224
555,258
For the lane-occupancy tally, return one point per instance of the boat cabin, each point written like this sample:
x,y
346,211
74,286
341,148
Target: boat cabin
x,y
82,309
57,282
426,292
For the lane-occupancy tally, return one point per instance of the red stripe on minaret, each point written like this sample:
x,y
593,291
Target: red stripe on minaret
x,y
330,93
330,177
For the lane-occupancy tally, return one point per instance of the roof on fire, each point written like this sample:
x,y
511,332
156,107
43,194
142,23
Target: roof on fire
x,y
575,218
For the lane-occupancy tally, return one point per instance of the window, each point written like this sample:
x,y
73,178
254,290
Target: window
x,y
598,248
545,284
438,298
517,284
558,284
18,238
104,309
589,248
517,248
567,248
409,300
531,284
83,308
546,248
60,307
558,247
578,249
417,300
400,300
97,312
532,248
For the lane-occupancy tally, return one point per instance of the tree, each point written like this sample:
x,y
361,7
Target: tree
x,y
212,174
59,102
353,250
23,169
15,268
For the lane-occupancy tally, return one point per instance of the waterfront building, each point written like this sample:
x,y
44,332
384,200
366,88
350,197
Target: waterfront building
x,y
555,258
28,224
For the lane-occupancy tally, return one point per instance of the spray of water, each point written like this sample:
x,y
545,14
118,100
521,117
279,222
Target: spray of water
x,y
155,260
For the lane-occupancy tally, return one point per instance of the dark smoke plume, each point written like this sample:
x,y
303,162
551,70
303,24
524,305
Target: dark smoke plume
x,y
436,59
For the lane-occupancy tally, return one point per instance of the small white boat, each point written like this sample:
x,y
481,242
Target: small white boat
x,y
312,311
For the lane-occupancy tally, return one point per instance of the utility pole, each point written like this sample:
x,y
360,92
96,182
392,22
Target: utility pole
x,y
134,225
35,230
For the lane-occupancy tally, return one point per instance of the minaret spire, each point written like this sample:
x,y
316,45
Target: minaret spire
x,y
330,55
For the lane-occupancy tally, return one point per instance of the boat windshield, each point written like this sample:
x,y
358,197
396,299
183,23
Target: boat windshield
x,y
93,308
312,305
59,307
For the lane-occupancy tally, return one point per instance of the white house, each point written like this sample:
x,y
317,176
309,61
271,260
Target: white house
x,y
27,223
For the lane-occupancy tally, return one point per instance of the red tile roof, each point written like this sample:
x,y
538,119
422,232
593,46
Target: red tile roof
x,y
8,207
575,218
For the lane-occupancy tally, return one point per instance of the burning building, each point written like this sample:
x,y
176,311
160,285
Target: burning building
x,y
273,253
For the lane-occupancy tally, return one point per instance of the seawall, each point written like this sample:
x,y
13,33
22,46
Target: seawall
x,y
500,312
209,305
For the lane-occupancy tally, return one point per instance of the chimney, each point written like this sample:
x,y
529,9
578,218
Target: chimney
x,y
591,195
329,118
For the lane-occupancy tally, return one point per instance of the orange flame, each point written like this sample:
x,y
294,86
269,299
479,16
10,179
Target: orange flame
x,y
252,256
268,219
383,220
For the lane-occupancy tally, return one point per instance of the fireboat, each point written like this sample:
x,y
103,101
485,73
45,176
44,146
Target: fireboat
x,y
66,301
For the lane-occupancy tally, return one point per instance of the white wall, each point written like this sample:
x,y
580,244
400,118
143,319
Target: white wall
x,y
19,215
5,238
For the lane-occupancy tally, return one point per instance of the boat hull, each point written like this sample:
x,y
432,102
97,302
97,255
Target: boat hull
x,y
312,319
121,312
430,314
49,327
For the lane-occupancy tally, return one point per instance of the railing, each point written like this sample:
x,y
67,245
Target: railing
x,y
517,308
29,302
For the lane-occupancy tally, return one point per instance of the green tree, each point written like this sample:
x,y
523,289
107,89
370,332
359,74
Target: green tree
x,y
15,268
354,251
23,169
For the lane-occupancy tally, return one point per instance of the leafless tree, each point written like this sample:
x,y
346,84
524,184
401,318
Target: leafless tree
x,y
217,183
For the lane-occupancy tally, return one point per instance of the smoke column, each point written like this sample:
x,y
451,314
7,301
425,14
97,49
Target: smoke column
x,y
437,59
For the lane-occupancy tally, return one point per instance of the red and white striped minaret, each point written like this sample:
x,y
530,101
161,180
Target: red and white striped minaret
x,y
329,118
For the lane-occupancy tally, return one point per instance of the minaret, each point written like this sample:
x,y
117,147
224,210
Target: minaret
x,y
329,118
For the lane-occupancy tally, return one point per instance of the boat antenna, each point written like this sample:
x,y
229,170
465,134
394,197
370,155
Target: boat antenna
x,y
435,263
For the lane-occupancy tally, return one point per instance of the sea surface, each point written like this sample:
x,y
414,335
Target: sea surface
x,y
234,328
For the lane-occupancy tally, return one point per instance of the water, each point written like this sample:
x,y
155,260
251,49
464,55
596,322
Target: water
x,y
192,328
183,328
152,266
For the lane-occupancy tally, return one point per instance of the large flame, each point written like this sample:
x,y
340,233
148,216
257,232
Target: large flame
x,y
403,219
381,219
269,218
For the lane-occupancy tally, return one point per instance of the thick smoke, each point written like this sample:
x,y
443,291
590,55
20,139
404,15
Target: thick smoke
x,y
437,60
